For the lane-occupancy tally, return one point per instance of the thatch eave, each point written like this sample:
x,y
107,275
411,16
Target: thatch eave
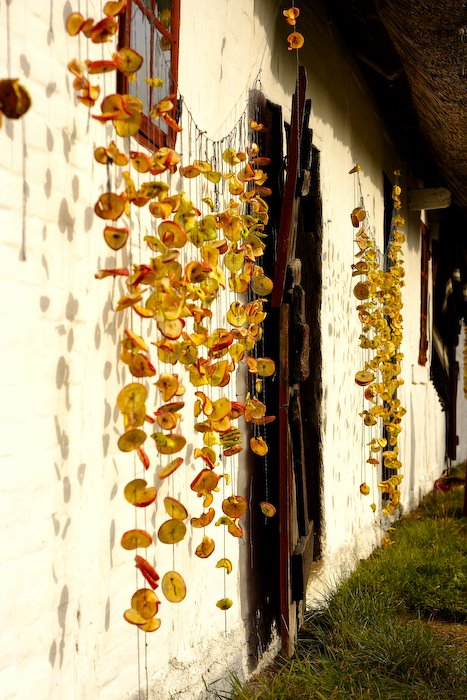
x,y
414,57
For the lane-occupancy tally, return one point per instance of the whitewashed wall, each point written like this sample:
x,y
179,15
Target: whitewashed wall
x,y
461,402
64,578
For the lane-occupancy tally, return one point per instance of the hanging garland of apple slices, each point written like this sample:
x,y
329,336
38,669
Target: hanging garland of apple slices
x,y
379,292
178,297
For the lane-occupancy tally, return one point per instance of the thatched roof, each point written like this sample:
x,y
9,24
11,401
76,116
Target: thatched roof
x,y
414,54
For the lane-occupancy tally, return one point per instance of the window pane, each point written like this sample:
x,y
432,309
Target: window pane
x,y
156,54
164,12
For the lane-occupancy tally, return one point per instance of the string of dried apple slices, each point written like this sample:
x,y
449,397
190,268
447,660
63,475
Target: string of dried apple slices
x,y
178,297
379,292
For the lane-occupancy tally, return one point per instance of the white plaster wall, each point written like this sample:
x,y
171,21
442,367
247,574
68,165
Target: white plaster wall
x,y
62,475
461,401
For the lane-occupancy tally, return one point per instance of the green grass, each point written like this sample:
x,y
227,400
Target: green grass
x,y
372,638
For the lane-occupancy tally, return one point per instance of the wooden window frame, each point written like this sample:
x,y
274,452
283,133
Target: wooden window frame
x,y
424,271
150,135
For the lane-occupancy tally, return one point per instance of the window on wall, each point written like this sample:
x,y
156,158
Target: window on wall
x,y
425,257
151,27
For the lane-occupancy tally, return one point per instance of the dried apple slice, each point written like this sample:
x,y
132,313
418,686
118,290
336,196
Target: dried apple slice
x,y
205,482
115,237
204,519
102,31
166,421
364,377
258,446
151,625
133,617
172,407
145,602
362,290
131,440
262,285
231,451
139,494
172,531
168,444
224,564
206,548
232,526
267,509
136,339
134,539
265,367
128,61
207,455
236,315
170,468
132,397
173,587
357,216
114,7
235,506
75,23
221,409
147,570
175,509
171,329
172,234
167,385
143,457
141,366
110,206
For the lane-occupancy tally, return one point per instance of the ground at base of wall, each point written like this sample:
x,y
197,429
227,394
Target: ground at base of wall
x,y
397,628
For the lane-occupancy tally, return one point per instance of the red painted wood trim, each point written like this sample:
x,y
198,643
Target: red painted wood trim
x,y
288,200
150,134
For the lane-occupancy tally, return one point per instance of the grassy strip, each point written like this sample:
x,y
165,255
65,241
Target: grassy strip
x,y
371,639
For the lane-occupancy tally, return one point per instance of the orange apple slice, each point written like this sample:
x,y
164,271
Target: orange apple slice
x,y
258,446
204,519
172,531
267,509
170,468
173,587
206,548
133,539
133,617
110,206
224,564
235,506
167,385
131,440
145,602
139,494
151,625
175,509
166,421
115,237
172,234
132,397
168,444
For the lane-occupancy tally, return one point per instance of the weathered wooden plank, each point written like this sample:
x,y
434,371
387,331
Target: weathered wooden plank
x,y
288,200
429,198
287,635
298,452
301,562
299,338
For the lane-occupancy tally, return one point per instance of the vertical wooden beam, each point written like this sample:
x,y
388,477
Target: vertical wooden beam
x,y
288,200
284,482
